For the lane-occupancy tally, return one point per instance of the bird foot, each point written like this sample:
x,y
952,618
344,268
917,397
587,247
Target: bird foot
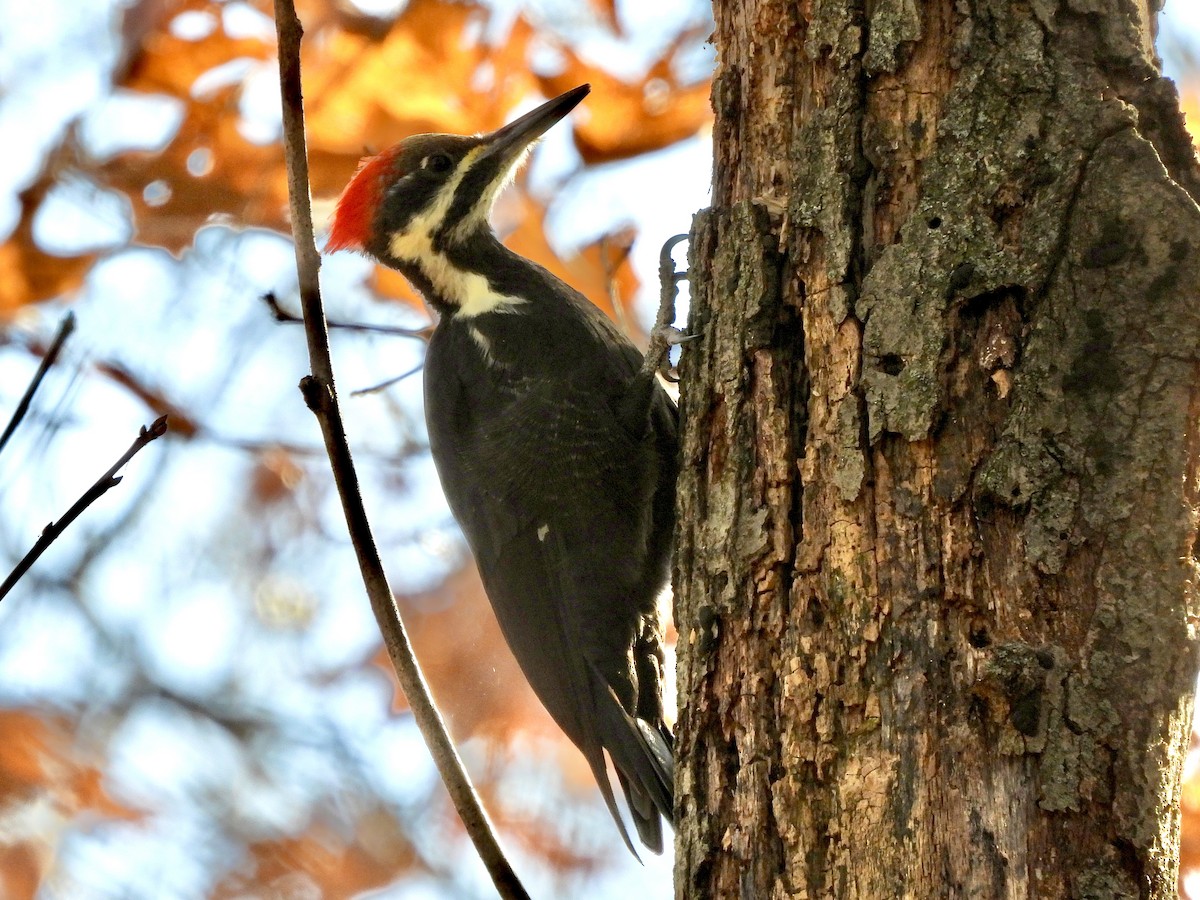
x,y
673,337
664,335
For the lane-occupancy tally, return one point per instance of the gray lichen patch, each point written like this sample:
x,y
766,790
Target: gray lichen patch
x,y
893,23
996,145
997,194
1110,353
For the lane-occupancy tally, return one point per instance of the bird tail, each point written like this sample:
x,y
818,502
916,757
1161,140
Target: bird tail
x,y
642,754
647,801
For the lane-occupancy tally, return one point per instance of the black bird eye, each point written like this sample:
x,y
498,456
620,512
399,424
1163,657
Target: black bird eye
x,y
437,162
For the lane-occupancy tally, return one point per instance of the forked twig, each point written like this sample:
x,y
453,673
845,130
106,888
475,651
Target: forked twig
x,y
321,397
108,480
282,315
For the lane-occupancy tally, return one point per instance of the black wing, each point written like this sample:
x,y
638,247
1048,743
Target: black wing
x,y
574,593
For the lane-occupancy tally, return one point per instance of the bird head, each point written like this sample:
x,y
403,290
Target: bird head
x,y
429,193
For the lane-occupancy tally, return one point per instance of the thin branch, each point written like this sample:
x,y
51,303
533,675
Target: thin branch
x,y
107,481
384,385
321,397
282,315
64,330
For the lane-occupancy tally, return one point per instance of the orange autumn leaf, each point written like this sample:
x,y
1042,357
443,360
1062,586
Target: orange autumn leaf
x,y
168,63
366,92
606,261
1189,838
208,173
25,745
607,11
38,756
275,476
626,118
27,272
1189,102
45,787
325,863
87,789
22,867
472,673
598,272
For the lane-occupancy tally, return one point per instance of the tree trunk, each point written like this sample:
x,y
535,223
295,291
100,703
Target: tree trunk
x,y
935,567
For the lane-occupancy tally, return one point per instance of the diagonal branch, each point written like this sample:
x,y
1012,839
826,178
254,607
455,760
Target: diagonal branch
x,y
384,385
321,397
108,480
64,330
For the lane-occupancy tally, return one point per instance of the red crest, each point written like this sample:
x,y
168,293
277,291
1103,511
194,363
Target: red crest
x,y
356,208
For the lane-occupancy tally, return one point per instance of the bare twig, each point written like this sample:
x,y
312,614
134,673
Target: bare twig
x,y
321,397
384,385
282,315
108,480
64,330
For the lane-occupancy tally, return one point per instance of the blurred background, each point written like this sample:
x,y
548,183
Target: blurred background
x,y
193,698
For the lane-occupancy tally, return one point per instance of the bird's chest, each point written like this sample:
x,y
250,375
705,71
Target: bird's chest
x,y
511,421
476,381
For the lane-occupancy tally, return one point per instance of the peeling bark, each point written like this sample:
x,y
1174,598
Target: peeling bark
x,y
935,569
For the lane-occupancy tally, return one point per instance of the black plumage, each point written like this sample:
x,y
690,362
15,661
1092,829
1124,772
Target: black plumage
x,y
556,450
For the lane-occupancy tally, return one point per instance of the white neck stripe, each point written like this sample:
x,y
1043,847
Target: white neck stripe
x,y
470,292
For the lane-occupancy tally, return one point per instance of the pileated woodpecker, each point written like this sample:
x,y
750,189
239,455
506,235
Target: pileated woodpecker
x,y
556,447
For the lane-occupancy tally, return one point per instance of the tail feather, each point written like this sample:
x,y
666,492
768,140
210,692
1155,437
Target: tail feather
x,y
644,815
595,761
644,764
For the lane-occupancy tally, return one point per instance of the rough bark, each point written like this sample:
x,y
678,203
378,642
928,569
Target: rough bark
x,y
935,573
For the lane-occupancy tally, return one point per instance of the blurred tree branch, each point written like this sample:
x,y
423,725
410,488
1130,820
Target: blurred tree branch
x,y
320,395
64,331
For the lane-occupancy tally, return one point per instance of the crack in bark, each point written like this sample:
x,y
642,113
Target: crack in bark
x,y
1058,252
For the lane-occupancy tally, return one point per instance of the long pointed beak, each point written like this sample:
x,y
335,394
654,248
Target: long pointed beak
x,y
509,142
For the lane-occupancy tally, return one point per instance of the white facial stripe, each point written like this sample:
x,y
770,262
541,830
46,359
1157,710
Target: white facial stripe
x,y
481,210
469,291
